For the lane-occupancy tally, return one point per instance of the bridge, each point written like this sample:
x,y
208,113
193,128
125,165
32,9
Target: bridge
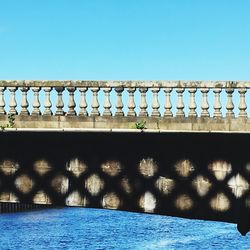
x,y
178,148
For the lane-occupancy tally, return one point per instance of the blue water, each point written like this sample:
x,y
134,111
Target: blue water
x,y
81,228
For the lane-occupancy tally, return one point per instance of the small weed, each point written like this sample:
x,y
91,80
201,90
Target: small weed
x,y
140,125
11,122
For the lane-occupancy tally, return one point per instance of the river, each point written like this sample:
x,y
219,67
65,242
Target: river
x,y
82,228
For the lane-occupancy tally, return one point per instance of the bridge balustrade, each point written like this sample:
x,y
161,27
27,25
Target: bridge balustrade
x,y
166,99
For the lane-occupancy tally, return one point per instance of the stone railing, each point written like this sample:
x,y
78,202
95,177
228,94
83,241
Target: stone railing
x,y
176,100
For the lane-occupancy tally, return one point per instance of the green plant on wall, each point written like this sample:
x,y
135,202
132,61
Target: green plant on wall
x,y
11,122
140,125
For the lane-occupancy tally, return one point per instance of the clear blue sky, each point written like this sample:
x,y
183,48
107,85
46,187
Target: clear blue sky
x,y
125,39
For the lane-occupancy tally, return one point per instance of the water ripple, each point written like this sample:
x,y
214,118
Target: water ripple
x,y
81,228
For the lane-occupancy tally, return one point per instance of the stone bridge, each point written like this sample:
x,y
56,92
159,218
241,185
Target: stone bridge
x,y
177,148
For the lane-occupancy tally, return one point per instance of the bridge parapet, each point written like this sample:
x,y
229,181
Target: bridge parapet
x,y
207,106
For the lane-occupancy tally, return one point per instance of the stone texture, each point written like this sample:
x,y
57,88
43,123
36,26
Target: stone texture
x,y
102,111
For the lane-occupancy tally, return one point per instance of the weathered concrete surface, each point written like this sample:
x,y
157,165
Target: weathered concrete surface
x,y
233,125
128,83
194,175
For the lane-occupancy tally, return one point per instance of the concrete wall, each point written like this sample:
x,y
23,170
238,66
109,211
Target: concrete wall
x,y
127,124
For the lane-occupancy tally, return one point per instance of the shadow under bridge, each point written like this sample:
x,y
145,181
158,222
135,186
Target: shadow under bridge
x,y
193,175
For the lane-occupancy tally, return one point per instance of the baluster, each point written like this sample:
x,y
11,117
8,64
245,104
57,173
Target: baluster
x,y
13,103
107,103
95,103
168,105
204,104
217,103
155,103
83,103
131,102
59,103
47,101
180,104
24,103
230,105
143,103
192,103
242,105
2,102
36,102
119,104
71,104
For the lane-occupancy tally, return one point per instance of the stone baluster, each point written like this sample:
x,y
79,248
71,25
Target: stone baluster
x,y
13,103
83,103
59,103
204,103
119,103
47,101
155,103
168,105
2,102
36,102
95,103
192,103
143,103
107,103
230,105
24,103
131,102
71,104
217,103
180,104
242,104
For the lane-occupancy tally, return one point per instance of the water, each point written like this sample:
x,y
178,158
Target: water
x,y
81,228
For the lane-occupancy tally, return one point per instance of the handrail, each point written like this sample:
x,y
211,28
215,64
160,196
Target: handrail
x,y
128,83
132,98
